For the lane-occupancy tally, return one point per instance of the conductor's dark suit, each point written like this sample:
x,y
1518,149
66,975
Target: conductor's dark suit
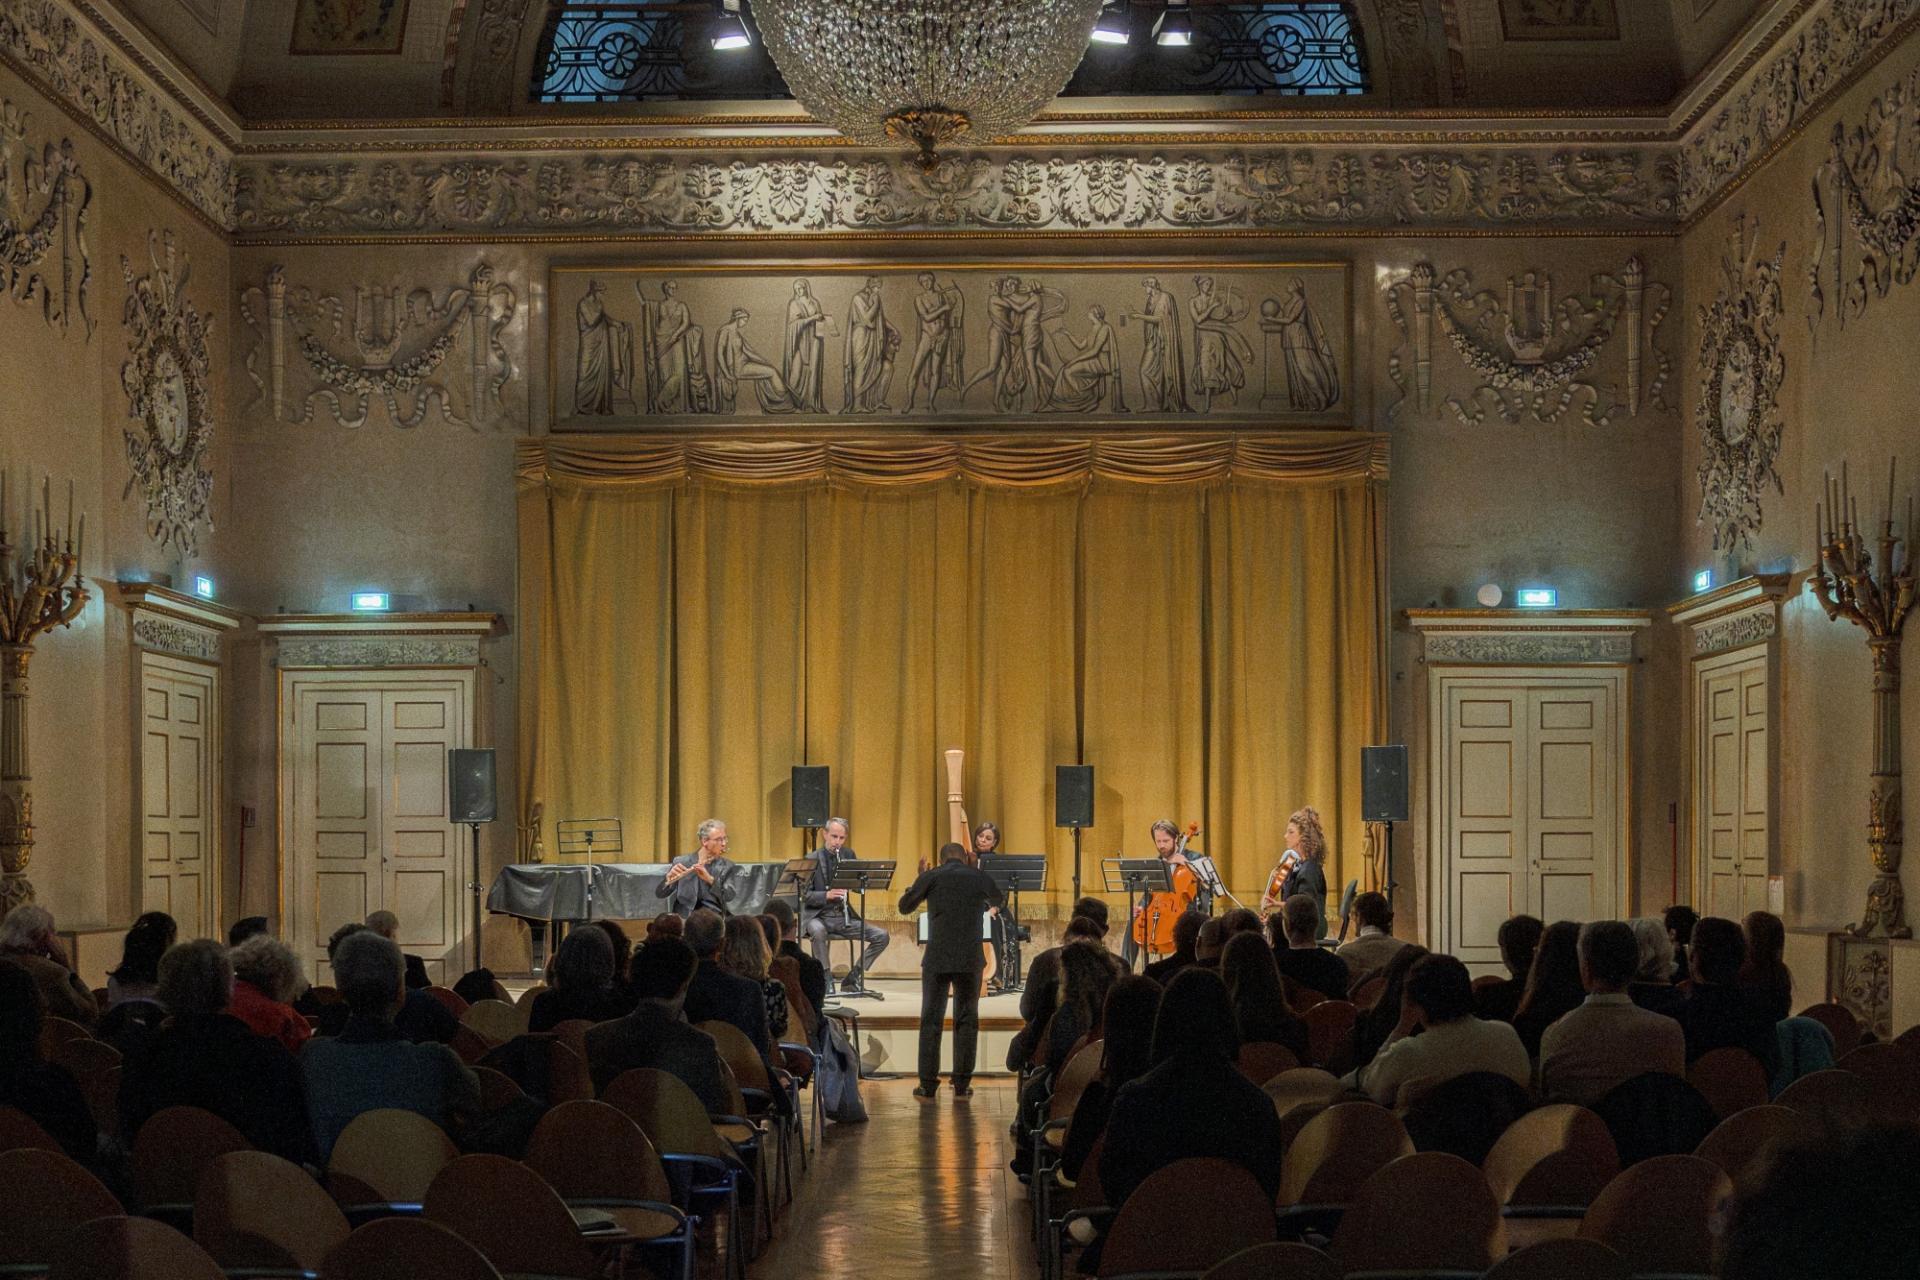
x,y
691,892
956,895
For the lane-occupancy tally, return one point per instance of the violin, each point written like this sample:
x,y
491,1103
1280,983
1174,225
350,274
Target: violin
x,y
1270,900
1153,920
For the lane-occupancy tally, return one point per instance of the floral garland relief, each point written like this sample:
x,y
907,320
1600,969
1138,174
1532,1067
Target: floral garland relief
x,y
1738,408
43,255
389,347
169,400
1863,188
1529,356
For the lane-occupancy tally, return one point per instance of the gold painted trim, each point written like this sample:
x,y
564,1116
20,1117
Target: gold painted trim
x,y
393,624
1320,234
1417,616
1738,596
165,601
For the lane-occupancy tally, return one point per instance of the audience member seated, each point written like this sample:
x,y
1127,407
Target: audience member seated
x,y
1029,1040
1652,986
656,1033
387,925
28,939
1303,959
247,927
1126,1051
1260,1011
813,974
1238,921
1192,1102
421,1018
1718,1012
1608,1039
204,1057
266,979
665,925
473,986
744,954
138,976
1186,936
622,957
1209,943
1374,1024
1833,1208
1553,985
1375,945
45,1091
1438,1038
1680,922
1037,1001
1519,938
1764,976
1087,972
719,996
580,983
371,1065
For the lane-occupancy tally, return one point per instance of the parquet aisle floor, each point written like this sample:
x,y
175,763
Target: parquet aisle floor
x,y
919,1192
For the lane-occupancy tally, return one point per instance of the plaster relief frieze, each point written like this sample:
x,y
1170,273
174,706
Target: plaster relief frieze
x,y
1737,409
97,82
167,378
392,345
163,635
43,251
1525,356
1864,190
1528,647
1733,632
378,651
862,191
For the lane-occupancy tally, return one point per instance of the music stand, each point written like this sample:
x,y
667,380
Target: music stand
x,y
1014,874
857,875
1132,876
588,836
798,871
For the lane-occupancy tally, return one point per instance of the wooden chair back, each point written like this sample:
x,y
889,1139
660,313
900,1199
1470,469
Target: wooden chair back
x,y
1834,1099
572,1032
95,1067
497,1089
453,1001
1426,1211
1731,1079
495,1021
1569,1259
669,1113
323,994
1081,1070
527,997
122,1248
48,1196
252,1209
389,1156
406,1249
511,1215
1277,1260
594,1151
1329,1023
1301,1086
173,1148
1088,1192
1367,994
1741,1140
1892,1075
1486,981
56,1031
1151,1231
470,1045
1262,1060
1299,996
1554,1155
739,1053
1840,1024
568,1079
1658,1214
19,1130
1338,1150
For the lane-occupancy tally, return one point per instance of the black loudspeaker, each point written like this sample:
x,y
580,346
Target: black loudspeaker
x,y
470,796
1073,795
809,795
1383,784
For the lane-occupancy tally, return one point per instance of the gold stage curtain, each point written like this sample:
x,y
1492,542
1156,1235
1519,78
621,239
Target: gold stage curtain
x,y
1201,619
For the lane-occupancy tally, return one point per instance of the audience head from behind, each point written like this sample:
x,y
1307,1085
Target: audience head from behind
x,y
584,962
340,935
1766,963
706,932
743,949
1095,910
1126,1051
386,924
665,926
663,970
1300,917
476,985
1252,978
1556,968
1518,939
1087,970
952,851
1209,942
1440,988
1656,950
1195,1018
1679,922
1609,956
782,914
770,930
139,972
196,979
1082,929
28,930
1717,952
622,946
1837,1207
1186,932
247,927
371,974
270,967
1371,910
1240,920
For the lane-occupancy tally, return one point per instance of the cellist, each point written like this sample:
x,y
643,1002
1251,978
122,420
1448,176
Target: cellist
x,y
1153,918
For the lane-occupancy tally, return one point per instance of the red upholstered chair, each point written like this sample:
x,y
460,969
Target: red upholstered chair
x,y
1892,1076
1658,1214
18,1129
1730,1079
1338,1150
1835,1099
1427,1211
511,1215
1558,1155
1262,1060
1153,1230
1840,1024
1329,1023
1740,1140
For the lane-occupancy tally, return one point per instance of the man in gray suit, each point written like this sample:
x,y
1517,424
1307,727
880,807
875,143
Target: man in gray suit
x,y
702,878
656,1033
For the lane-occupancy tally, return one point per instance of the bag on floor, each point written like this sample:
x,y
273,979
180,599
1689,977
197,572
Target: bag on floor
x,y
839,1081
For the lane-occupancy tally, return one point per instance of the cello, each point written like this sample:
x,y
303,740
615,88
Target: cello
x,y
1153,920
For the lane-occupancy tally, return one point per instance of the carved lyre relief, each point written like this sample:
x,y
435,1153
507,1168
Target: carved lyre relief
x,y
43,253
399,348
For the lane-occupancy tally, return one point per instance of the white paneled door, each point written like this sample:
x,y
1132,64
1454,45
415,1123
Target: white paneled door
x,y
179,769
1730,783
1527,782
364,764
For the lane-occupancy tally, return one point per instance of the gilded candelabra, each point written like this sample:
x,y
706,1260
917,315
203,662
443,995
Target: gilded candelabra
x,y
43,590
1846,583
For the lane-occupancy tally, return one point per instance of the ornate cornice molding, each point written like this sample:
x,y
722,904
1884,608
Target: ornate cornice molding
x,y
181,626
377,651
175,638
1509,637
1741,613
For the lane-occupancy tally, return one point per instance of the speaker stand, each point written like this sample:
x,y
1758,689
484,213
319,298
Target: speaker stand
x,y
1076,867
479,904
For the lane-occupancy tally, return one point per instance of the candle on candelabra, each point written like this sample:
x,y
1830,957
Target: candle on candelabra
x,y
1892,462
1818,550
80,552
1846,496
70,508
46,508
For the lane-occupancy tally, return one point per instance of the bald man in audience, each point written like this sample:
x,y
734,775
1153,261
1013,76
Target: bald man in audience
x,y
387,925
1608,1039
1303,960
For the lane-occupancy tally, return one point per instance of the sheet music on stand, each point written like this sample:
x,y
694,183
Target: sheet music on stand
x,y
1208,874
1134,875
590,836
1014,874
799,873
858,875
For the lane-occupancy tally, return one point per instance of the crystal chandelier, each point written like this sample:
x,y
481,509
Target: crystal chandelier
x,y
924,73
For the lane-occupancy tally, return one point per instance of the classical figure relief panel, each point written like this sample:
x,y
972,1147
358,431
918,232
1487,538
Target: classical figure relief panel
x,y
1186,342
348,26
1559,19
1737,410
408,351
169,398
1525,354
1866,205
44,201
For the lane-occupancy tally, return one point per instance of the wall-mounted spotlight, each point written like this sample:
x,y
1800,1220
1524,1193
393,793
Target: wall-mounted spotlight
x,y
1114,25
1174,27
728,31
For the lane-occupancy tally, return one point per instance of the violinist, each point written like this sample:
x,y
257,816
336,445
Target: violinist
x,y
1157,912
1305,864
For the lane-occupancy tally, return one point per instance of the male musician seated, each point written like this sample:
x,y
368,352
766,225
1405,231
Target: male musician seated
x,y
1166,847
702,878
830,915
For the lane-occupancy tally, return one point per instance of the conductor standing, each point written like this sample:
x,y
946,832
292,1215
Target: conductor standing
x,y
957,894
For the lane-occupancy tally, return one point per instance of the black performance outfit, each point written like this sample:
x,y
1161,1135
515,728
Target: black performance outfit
x,y
830,919
956,895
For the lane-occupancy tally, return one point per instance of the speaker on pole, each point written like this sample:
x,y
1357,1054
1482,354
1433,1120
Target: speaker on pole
x,y
1073,795
1383,784
810,785
470,790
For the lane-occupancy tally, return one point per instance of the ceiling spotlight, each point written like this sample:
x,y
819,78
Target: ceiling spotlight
x,y
1175,27
1114,26
728,32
